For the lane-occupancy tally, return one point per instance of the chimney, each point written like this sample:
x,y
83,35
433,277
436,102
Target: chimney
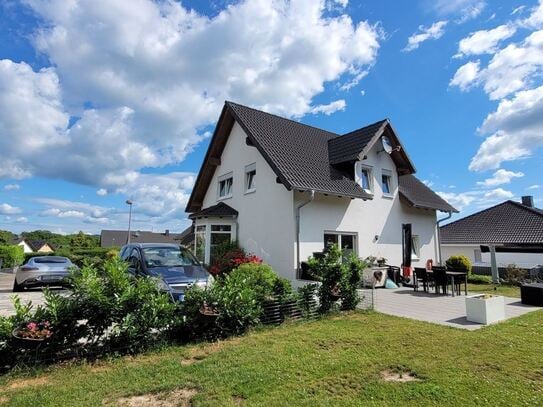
x,y
167,232
528,201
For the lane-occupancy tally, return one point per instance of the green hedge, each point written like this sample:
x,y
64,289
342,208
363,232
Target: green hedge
x,y
459,263
11,256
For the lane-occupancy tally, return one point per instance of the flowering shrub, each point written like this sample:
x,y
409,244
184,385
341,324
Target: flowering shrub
x,y
35,330
230,256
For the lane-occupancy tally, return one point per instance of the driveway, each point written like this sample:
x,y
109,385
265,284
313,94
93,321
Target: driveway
x,y
6,291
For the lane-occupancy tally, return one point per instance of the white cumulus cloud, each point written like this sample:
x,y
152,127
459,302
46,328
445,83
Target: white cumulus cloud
x,y
12,187
485,41
433,32
466,75
7,209
500,177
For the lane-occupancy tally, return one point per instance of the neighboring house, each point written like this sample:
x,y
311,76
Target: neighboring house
x,y
266,178
118,238
34,246
516,225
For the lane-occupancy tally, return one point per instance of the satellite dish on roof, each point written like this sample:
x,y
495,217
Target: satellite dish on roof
x,y
387,145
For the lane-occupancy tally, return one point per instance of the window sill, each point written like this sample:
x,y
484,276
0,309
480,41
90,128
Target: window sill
x,y
388,196
223,198
250,191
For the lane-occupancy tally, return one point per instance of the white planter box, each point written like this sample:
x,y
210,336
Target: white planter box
x,y
485,311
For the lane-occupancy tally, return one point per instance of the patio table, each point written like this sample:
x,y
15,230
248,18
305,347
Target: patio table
x,y
456,274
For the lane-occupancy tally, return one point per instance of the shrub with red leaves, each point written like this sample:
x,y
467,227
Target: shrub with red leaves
x,y
231,259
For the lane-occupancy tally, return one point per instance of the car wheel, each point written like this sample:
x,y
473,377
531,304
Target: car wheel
x,y
17,288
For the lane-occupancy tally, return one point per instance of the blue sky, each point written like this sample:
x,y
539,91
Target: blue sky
x,y
101,101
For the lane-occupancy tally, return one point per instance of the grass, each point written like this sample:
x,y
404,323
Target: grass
x,y
506,290
337,360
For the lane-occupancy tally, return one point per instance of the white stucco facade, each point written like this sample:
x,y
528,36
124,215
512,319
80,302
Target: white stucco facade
x,y
377,223
524,260
266,224
25,246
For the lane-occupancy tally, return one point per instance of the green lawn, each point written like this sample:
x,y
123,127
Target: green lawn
x,y
506,290
333,361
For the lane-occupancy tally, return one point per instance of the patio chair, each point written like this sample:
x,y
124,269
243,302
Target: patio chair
x,y
394,274
421,278
440,279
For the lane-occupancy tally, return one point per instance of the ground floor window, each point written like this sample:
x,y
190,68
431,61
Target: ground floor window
x,y
477,256
415,248
219,234
209,235
345,241
200,243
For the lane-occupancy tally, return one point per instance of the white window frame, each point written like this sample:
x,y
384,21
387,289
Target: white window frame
x,y
225,178
249,169
369,169
388,174
415,248
208,223
339,234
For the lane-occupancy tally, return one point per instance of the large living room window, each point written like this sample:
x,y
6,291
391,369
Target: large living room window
x,y
226,183
345,241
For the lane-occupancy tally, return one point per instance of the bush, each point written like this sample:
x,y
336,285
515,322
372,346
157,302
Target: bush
x,y
12,256
459,263
349,283
514,275
238,297
329,271
478,279
107,311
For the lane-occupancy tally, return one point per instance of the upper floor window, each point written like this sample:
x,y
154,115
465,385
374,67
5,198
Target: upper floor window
x,y
225,186
366,181
250,178
386,182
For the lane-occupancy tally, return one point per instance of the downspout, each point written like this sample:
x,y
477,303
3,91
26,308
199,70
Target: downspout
x,y
298,262
439,235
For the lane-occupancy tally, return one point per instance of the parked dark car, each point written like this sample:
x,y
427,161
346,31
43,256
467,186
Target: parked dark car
x,y
174,266
43,271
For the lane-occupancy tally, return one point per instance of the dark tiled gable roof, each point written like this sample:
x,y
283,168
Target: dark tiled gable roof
x,y
420,196
307,158
117,238
298,153
509,222
219,210
349,146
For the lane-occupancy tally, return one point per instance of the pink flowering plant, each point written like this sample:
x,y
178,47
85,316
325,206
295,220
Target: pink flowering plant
x,y
35,330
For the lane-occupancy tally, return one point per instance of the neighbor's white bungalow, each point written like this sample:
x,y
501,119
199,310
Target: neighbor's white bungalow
x,y
281,188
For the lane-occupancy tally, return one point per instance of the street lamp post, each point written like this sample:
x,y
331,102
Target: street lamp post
x,y
129,203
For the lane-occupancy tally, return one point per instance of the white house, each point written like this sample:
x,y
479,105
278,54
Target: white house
x,y
516,229
284,190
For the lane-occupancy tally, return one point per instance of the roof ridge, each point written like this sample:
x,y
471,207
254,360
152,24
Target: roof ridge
x,y
365,127
480,212
537,211
283,118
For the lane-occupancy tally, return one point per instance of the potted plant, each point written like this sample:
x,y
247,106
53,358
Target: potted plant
x,y
335,293
485,308
32,334
209,310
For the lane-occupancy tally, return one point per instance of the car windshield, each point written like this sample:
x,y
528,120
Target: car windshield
x,y
168,257
51,260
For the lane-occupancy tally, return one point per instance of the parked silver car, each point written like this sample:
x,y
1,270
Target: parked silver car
x,y
43,271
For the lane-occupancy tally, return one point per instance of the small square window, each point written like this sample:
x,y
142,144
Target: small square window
x,y
225,187
250,178
365,179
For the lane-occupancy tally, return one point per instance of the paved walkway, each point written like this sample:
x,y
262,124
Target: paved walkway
x,y
6,291
444,310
